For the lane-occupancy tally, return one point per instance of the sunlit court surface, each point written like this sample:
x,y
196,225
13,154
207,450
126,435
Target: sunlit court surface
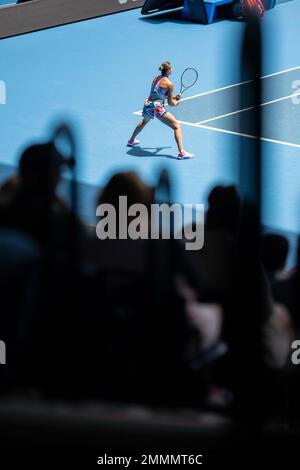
x,y
150,303
99,73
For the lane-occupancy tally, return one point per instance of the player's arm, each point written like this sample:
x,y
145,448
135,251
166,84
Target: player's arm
x,y
172,100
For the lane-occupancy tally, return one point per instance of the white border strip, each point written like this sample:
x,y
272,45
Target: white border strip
x,y
248,109
240,134
241,83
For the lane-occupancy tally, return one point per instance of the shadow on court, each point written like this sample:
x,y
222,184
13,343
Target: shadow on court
x,y
149,152
169,16
175,16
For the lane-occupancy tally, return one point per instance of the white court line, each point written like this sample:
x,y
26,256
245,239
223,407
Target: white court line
x,y
227,114
249,108
240,134
240,83
281,71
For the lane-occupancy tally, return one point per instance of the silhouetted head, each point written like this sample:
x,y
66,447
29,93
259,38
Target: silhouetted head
x,y
126,184
40,167
274,252
224,207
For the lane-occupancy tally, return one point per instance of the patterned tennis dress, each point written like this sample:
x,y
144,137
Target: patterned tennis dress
x,y
154,105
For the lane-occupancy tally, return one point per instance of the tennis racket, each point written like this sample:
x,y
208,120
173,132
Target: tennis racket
x,y
188,79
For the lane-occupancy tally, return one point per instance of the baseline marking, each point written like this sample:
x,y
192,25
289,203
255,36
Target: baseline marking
x,y
241,83
240,134
249,108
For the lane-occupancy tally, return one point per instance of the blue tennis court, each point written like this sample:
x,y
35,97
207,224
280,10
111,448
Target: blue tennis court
x,y
98,73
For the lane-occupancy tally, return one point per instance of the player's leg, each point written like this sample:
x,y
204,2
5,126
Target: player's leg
x,y
172,122
133,141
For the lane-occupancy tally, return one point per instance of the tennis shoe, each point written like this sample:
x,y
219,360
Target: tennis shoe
x,y
184,155
132,143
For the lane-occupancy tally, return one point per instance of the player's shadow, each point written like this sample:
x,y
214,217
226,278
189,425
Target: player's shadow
x,y
138,151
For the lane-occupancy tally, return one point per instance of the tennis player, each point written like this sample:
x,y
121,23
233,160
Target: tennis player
x,y
154,108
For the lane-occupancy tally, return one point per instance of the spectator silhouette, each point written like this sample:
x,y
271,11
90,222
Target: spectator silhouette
x,y
274,253
29,201
224,209
145,335
214,261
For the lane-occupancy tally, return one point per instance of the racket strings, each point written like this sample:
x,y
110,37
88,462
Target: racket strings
x,y
189,78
